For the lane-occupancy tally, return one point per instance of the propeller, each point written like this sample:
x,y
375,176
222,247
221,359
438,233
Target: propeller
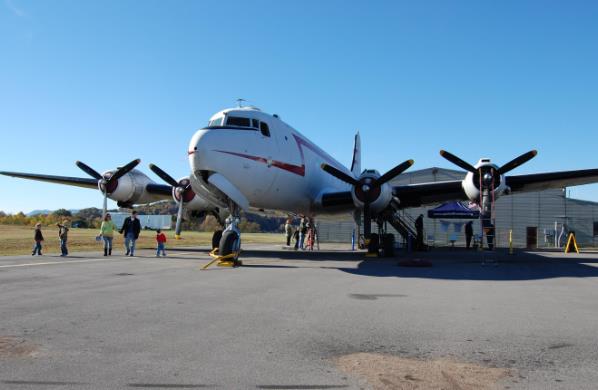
x,y
182,193
525,157
367,188
107,183
486,177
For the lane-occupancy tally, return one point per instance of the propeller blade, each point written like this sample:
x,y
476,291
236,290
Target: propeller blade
x,y
525,157
120,172
105,206
89,170
338,174
396,171
457,161
179,219
163,175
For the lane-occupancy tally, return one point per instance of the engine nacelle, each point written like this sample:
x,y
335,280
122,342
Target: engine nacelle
x,y
128,189
489,178
191,200
380,195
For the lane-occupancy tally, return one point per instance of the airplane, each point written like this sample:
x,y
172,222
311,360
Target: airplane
x,y
246,159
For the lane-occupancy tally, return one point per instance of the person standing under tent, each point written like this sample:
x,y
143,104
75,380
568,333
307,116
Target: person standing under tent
x,y
468,234
419,231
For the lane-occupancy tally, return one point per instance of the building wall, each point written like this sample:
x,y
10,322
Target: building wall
x,y
163,222
514,213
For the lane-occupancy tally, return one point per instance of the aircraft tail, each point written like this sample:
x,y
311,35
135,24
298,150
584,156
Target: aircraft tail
x,y
356,164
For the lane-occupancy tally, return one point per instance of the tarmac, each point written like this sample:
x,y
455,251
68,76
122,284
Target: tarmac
x,y
299,320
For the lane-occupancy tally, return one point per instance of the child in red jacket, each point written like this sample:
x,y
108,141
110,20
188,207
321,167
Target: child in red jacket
x,y
161,240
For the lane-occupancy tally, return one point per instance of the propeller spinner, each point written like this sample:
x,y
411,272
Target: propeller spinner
x,y
367,188
108,182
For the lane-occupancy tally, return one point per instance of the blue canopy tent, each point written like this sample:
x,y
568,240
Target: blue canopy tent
x,y
453,210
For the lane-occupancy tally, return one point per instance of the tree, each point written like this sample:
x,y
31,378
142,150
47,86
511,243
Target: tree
x,y
62,213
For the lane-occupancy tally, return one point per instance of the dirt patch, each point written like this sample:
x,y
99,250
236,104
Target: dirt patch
x,y
14,347
385,372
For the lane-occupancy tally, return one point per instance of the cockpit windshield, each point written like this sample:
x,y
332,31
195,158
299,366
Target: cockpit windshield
x,y
215,122
238,121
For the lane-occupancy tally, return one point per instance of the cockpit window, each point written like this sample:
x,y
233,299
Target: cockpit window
x,y
215,122
238,121
264,129
255,123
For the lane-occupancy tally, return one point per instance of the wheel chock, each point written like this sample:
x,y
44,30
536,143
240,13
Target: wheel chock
x,y
223,261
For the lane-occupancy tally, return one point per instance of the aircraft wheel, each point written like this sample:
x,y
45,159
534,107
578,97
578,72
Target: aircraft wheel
x,y
228,243
216,239
374,243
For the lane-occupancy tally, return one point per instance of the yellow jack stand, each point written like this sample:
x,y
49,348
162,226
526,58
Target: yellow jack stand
x,y
571,241
223,261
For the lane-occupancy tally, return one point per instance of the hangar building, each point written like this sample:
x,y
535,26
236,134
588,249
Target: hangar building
x,y
532,217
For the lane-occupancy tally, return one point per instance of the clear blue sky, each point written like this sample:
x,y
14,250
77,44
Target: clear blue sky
x,y
109,81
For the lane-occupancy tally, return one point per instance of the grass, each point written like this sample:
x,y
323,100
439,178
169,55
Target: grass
x,y
18,240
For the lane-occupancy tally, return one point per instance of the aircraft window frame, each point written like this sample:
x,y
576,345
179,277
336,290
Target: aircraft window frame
x,y
265,131
216,122
239,120
255,123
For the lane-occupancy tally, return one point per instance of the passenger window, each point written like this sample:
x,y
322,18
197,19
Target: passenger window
x,y
237,121
255,123
264,129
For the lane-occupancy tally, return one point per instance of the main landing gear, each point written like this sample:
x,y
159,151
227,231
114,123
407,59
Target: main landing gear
x,y
380,244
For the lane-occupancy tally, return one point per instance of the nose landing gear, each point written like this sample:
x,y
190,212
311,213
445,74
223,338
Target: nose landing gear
x,y
226,254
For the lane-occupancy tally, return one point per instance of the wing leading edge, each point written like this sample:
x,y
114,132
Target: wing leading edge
x,y
415,195
155,189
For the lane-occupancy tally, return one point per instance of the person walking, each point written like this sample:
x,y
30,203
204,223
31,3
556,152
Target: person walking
x,y
38,237
130,230
161,240
107,233
468,234
63,233
288,229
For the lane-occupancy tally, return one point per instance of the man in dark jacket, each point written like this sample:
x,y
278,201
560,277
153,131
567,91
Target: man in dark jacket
x,y
468,234
130,230
419,231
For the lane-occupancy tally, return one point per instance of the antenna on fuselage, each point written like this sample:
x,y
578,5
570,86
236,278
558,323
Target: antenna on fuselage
x,y
240,102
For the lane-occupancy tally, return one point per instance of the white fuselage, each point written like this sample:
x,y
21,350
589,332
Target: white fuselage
x,y
276,172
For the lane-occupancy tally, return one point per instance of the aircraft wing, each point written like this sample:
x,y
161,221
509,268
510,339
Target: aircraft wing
x,y
543,181
410,195
156,189
415,195
72,181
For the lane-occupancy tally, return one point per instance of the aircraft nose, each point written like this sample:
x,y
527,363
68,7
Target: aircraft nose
x,y
199,147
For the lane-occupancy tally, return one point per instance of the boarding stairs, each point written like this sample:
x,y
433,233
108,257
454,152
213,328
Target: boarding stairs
x,y
403,223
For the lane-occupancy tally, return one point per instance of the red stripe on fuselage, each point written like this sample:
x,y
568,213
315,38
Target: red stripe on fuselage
x,y
296,169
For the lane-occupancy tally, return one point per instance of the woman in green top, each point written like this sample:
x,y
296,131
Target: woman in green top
x,y
107,232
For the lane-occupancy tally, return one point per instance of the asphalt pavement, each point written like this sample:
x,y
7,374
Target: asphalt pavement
x,y
284,319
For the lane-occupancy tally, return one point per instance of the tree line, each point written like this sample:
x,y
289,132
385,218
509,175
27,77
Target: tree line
x,y
92,218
